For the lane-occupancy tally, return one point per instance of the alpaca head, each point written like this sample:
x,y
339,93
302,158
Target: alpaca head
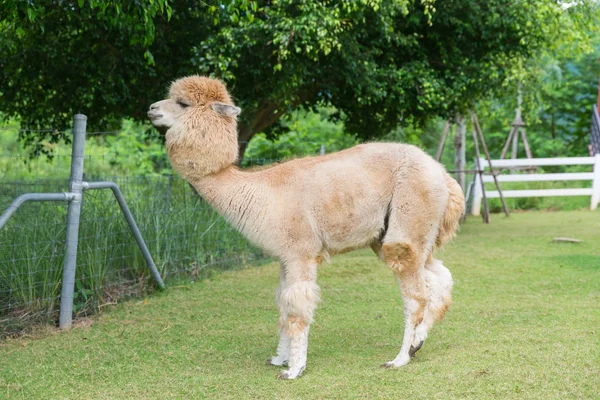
x,y
199,122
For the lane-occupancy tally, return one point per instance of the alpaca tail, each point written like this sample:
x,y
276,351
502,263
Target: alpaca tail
x,y
454,210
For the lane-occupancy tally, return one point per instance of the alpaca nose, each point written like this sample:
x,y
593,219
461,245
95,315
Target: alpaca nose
x,y
154,112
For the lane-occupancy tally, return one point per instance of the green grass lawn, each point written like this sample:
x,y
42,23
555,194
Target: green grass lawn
x,y
525,323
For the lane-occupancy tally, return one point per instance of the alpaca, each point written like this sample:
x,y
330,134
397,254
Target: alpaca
x,y
391,197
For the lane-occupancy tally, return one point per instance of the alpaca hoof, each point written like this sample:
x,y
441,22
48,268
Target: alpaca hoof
x,y
414,349
397,363
391,365
276,362
289,374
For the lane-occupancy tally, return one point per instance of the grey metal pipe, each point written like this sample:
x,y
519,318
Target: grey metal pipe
x,y
18,202
74,197
73,217
131,221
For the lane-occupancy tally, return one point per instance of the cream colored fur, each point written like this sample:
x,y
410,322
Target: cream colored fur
x,y
392,197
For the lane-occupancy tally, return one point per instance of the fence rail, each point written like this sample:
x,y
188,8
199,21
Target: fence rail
x,y
594,176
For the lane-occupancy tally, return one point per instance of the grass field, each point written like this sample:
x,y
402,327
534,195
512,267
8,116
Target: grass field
x,y
525,324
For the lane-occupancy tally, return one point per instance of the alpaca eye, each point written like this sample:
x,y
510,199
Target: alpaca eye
x,y
182,104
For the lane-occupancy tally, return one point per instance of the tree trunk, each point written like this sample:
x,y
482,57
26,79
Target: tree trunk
x,y
266,115
245,134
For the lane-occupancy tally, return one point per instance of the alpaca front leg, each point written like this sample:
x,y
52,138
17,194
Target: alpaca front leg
x,y
298,355
283,350
298,301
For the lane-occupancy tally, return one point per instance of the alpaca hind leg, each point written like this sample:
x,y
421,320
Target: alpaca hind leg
x,y
414,216
406,263
298,301
438,280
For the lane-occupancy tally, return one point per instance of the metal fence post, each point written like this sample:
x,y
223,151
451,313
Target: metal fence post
x,y
74,213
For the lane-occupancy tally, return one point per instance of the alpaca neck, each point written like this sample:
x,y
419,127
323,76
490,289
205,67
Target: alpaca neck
x,y
239,196
202,147
203,151
194,162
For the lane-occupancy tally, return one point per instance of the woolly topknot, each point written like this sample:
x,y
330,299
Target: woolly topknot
x,y
199,90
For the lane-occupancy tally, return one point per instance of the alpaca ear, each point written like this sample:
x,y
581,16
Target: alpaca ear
x,y
226,109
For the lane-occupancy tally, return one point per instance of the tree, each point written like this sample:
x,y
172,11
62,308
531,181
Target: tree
x,y
58,58
379,62
561,92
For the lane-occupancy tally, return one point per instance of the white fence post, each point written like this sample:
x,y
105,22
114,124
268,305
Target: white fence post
x,y
596,183
477,194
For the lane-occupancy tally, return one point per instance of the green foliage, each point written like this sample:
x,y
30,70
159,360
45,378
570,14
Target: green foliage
x,y
64,57
129,152
124,153
377,62
426,136
383,60
558,101
567,105
305,133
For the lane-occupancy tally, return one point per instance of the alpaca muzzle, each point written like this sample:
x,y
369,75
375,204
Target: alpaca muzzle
x,y
155,118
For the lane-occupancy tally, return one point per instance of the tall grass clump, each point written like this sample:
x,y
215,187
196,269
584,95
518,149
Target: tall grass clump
x,y
186,238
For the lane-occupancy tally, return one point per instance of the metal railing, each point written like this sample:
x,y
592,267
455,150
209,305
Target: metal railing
x,y
74,197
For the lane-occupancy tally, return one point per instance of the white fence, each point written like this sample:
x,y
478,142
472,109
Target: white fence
x,y
594,176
